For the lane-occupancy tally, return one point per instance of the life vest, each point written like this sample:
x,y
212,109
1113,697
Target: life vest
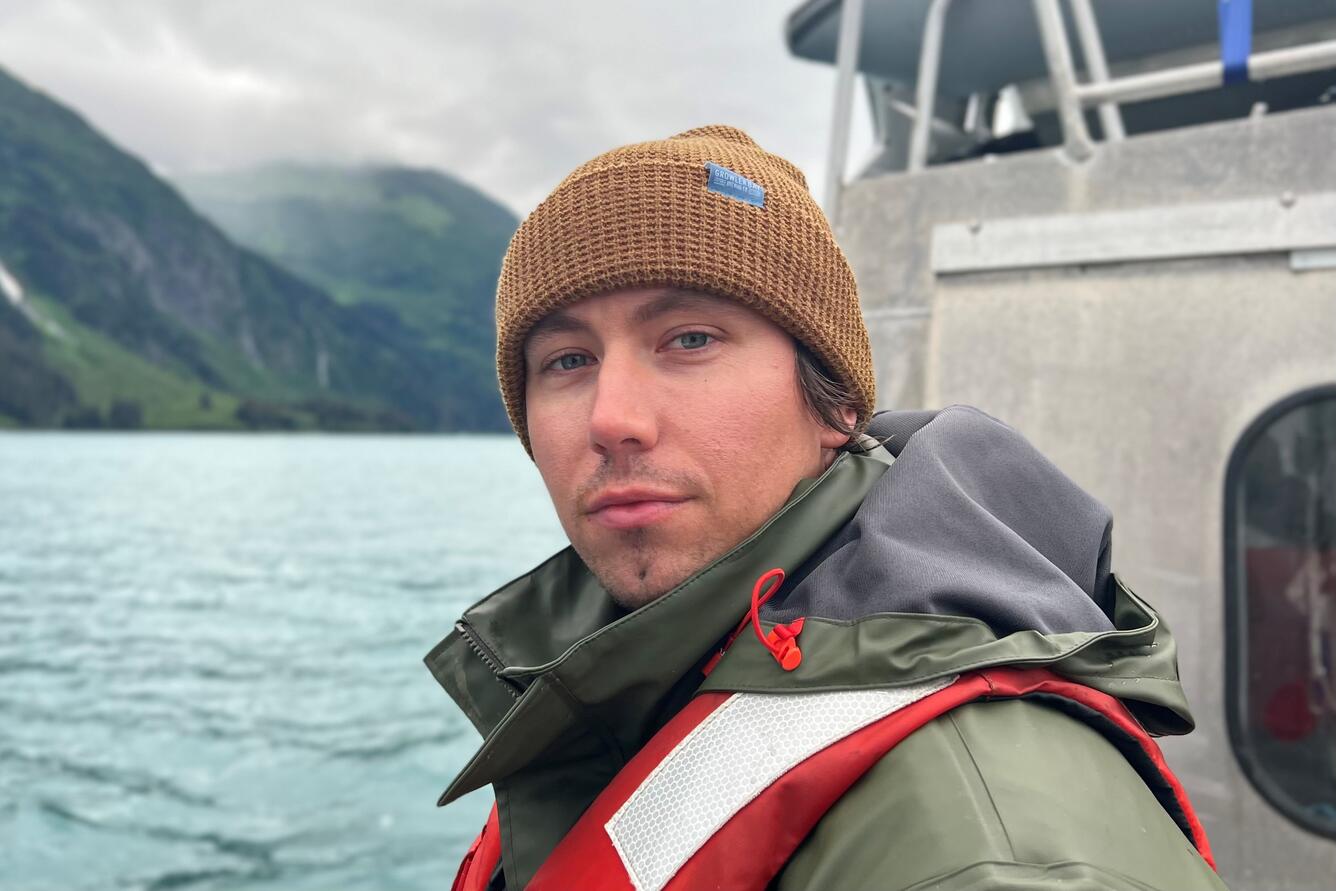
x,y
754,773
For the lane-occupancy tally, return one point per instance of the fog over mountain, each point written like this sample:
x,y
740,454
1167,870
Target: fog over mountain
x,y
506,95
124,307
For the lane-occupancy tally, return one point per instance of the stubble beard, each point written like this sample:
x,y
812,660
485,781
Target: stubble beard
x,y
641,570
628,582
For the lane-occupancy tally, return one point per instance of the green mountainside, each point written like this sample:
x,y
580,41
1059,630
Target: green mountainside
x,y
121,306
416,242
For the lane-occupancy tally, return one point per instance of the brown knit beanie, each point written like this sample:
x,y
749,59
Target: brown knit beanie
x,y
708,210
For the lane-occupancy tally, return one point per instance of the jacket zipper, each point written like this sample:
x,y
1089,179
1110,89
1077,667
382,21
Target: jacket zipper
x,y
487,656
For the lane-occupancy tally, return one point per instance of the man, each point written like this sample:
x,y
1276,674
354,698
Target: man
x,y
782,652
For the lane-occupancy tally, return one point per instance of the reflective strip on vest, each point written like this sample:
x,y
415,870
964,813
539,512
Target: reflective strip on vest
x,y
727,760
747,772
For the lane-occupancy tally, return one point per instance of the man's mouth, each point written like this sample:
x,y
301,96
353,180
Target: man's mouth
x,y
633,508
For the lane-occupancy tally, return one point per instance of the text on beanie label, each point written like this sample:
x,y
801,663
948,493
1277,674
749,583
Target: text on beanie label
x,y
734,185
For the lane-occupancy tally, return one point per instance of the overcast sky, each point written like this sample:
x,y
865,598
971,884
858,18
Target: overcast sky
x,y
509,96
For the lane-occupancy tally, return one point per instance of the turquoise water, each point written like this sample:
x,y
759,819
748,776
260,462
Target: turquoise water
x,y
210,654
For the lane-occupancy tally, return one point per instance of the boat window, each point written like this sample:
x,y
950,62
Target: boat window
x,y
1281,577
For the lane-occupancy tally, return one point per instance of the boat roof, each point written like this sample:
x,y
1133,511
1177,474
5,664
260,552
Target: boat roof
x,y
988,44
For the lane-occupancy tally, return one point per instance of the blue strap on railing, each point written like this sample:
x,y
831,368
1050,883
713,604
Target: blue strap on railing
x,y
1235,39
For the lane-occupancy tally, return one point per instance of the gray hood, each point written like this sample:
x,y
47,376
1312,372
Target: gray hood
x,y
971,520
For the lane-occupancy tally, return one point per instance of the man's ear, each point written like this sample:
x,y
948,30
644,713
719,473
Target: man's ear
x,y
833,439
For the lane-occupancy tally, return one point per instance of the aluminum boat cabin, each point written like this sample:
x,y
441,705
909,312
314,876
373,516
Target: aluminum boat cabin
x,y
1112,224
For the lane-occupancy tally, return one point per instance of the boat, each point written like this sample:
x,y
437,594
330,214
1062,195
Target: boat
x,y
1112,225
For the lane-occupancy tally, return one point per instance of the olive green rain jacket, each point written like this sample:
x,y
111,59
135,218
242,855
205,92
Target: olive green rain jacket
x,y
968,550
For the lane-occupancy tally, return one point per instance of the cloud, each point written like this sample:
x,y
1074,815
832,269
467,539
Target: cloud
x,y
509,96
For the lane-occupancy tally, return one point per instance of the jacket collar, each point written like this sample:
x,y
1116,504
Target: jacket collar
x,y
549,656
565,688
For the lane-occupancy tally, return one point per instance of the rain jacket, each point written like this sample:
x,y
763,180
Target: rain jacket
x,y
952,547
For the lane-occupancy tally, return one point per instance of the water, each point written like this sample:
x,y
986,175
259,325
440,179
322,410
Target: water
x,y
210,654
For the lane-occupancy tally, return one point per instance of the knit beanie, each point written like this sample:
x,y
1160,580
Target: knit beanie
x,y
707,210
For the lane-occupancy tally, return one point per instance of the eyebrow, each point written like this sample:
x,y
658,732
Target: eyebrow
x,y
554,323
669,300
672,299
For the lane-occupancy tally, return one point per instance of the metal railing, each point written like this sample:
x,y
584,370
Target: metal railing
x,y
1092,47
1153,85
846,64
1071,97
925,97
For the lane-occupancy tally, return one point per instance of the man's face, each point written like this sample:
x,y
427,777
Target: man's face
x,y
668,426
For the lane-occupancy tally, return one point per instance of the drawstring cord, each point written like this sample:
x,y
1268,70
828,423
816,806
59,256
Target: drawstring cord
x,y
782,639
781,642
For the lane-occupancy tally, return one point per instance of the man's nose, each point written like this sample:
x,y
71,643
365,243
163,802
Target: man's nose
x,y
622,418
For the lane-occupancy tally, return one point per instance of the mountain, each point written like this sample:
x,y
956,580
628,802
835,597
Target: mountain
x,y
122,306
417,242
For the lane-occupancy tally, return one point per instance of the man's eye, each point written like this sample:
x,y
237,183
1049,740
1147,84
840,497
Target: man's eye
x,y
569,362
693,340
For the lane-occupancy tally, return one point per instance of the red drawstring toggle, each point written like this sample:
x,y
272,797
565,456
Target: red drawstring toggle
x,y
781,642
783,646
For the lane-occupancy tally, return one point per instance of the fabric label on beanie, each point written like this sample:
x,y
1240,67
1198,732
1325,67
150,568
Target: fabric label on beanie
x,y
734,185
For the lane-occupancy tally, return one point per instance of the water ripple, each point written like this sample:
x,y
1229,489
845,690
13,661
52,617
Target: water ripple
x,y
213,654
122,779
